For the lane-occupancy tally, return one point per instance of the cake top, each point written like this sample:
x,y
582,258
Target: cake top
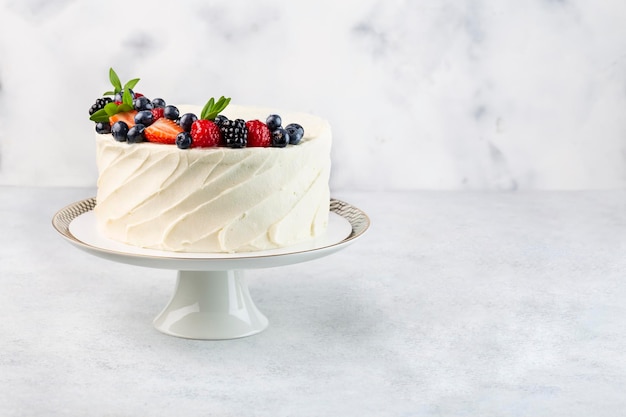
x,y
132,117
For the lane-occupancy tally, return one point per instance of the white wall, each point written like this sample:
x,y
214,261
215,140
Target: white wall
x,y
421,94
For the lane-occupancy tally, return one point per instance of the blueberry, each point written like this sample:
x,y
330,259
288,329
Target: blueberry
x,y
183,140
296,132
142,103
273,122
119,130
158,102
144,117
186,120
135,134
280,138
103,128
171,112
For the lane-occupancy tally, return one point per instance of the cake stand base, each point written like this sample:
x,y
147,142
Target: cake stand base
x,y
211,300
211,305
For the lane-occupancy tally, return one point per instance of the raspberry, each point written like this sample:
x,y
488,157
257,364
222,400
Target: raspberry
x,y
205,134
258,134
157,113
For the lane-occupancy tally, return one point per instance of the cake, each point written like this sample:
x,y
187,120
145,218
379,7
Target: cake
x,y
235,181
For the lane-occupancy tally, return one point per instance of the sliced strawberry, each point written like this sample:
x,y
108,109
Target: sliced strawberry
x,y
258,134
205,134
127,117
162,131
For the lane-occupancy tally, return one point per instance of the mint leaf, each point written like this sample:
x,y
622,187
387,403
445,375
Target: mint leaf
x,y
124,107
110,108
131,84
115,80
212,108
207,108
99,116
109,93
127,98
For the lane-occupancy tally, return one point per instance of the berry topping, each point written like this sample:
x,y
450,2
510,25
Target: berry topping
x,y
123,99
99,104
171,112
235,133
157,112
158,102
273,122
142,103
258,134
296,132
144,117
127,117
119,130
135,133
184,140
280,138
133,117
205,134
103,128
186,120
162,131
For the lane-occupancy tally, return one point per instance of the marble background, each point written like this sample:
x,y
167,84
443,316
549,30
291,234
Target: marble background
x,y
421,94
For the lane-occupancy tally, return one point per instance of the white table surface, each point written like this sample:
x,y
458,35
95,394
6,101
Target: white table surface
x,y
453,303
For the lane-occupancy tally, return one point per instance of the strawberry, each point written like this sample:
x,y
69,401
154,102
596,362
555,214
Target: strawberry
x,y
258,134
162,131
205,134
157,113
127,117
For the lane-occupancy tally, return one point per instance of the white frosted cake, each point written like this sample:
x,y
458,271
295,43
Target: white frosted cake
x,y
216,178
215,199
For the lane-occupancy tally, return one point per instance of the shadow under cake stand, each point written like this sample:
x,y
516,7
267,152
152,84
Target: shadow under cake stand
x,y
211,299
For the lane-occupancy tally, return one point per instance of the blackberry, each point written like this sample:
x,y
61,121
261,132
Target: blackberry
x,y
99,104
219,119
234,132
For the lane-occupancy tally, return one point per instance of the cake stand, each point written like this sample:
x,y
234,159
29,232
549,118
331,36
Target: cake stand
x,y
211,300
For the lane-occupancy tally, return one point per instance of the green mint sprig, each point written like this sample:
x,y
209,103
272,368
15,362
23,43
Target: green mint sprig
x,y
112,108
117,84
212,108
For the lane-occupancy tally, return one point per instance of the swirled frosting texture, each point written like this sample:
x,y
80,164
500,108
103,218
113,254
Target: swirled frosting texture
x,y
215,199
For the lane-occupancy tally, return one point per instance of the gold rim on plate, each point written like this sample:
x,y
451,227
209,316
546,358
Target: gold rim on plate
x,y
359,222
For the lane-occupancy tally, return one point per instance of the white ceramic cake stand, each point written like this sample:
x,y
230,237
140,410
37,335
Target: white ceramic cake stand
x,y
211,298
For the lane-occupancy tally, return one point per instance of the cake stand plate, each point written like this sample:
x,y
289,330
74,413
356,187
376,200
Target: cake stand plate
x,y
211,300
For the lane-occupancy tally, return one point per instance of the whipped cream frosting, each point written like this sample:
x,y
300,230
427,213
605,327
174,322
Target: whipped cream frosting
x,y
216,199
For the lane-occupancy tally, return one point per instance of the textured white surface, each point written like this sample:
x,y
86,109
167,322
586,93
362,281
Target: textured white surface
x,y
454,303
420,93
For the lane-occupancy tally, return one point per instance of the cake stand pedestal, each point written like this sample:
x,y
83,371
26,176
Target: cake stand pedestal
x,y
211,300
211,305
